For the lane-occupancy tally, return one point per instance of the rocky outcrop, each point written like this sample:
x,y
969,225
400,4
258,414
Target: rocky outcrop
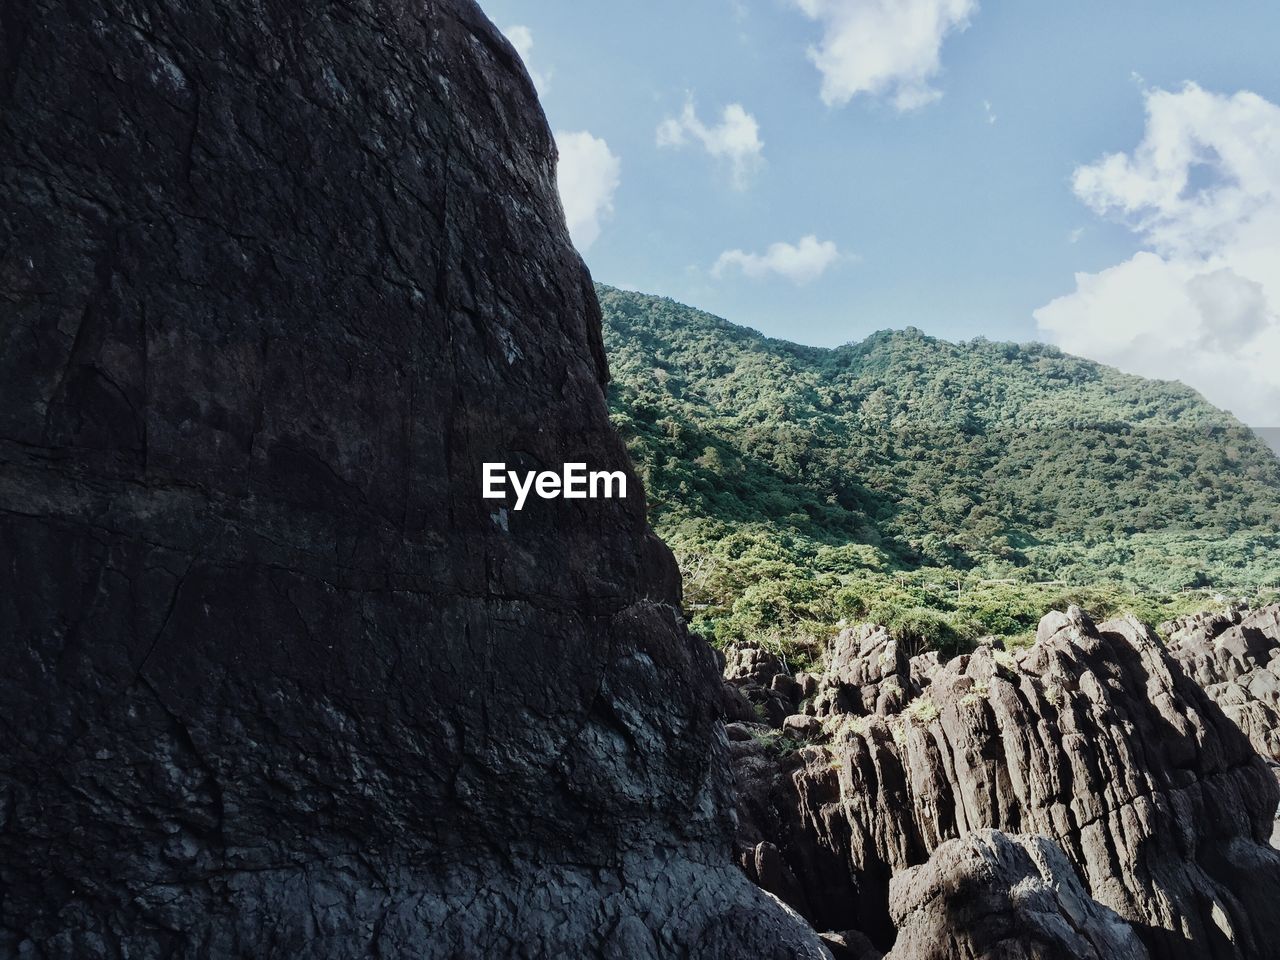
x,y
867,672
1204,625
990,896
1093,738
1235,656
757,686
276,280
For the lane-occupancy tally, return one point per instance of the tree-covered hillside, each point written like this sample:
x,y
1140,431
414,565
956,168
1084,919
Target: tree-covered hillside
x,y
772,466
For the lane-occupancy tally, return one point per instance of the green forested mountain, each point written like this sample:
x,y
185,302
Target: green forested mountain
x,y
779,472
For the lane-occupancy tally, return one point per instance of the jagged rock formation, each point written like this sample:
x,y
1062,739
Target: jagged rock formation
x,y
1235,656
275,281
757,686
990,895
1093,738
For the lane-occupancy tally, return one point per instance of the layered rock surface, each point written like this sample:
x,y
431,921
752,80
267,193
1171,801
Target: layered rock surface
x,y
275,281
1093,738
1235,656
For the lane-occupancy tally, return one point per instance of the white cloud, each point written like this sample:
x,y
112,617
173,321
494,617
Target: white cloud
x,y
883,47
735,140
991,114
1201,302
521,38
588,176
799,263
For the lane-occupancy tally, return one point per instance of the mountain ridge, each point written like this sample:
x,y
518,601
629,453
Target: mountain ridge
x,y
904,452
907,333
748,332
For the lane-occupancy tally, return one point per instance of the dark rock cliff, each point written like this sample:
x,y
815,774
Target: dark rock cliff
x,y
275,280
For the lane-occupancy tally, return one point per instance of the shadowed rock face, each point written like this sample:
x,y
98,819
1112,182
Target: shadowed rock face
x,y
1094,738
275,281
1235,656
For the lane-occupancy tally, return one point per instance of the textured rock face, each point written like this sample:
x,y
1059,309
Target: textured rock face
x,y
868,672
1093,738
275,281
1235,656
757,687
990,896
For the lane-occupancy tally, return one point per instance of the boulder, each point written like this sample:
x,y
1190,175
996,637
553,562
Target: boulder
x,y
990,896
759,680
736,706
787,688
802,727
740,732
808,684
867,671
754,664
769,812
1201,626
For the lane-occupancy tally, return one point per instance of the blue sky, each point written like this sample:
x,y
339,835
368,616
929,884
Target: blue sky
x,y
948,158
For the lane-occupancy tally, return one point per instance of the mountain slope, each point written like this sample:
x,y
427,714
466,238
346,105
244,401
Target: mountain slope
x,y
904,452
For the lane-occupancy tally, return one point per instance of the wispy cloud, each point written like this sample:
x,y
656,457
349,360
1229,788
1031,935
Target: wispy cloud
x,y
889,48
800,263
735,140
588,176
521,38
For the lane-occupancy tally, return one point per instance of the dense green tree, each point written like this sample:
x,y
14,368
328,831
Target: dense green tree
x,y
895,478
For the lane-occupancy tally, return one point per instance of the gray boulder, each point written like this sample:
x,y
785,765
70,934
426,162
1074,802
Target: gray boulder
x,y
991,896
